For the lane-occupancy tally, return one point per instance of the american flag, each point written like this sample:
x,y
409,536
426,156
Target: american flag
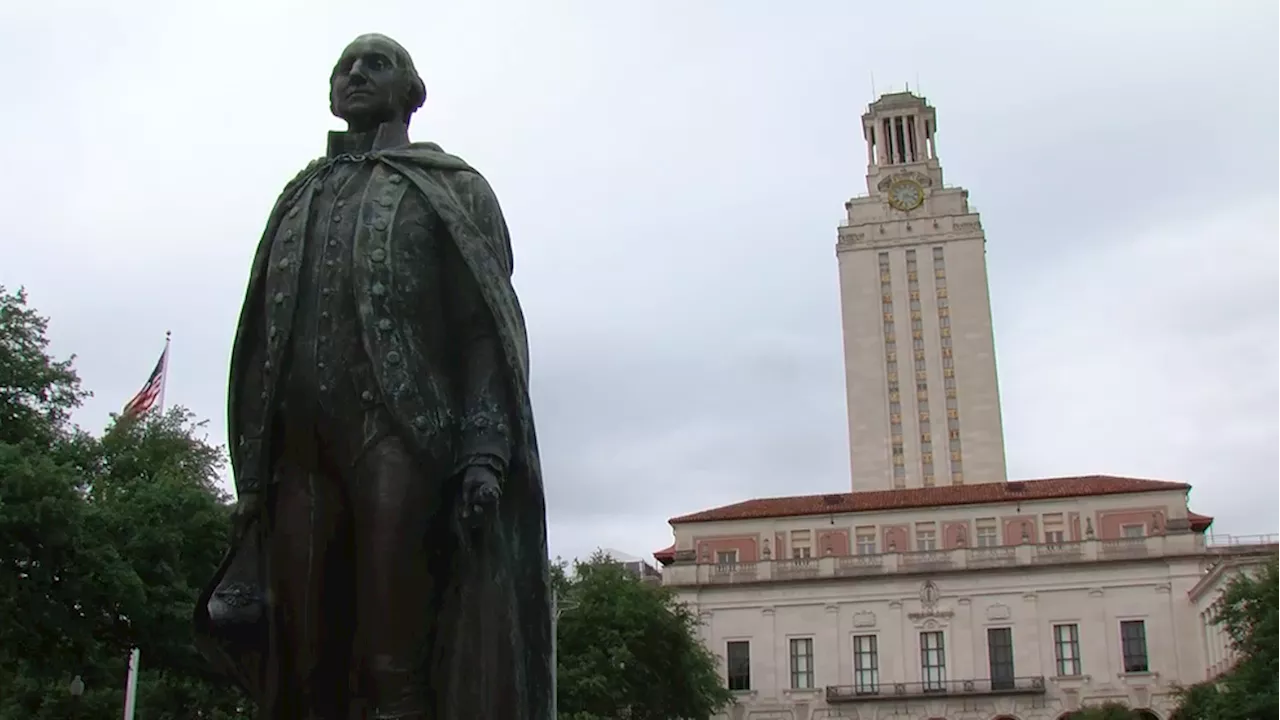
x,y
152,390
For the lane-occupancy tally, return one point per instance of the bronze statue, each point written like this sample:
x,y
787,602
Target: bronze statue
x,y
389,553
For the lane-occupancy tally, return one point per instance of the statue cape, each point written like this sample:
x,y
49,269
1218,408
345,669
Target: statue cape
x,y
517,540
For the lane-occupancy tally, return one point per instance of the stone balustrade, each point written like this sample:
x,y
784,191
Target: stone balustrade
x,y
833,566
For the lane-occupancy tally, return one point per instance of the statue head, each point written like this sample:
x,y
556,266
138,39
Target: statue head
x,y
375,82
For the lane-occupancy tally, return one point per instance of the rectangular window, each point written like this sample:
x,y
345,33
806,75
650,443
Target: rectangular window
x,y
1000,657
801,544
987,536
1054,528
1133,645
738,655
1134,531
801,663
926,537
726,557
866,665
933,663
866,540
1066,650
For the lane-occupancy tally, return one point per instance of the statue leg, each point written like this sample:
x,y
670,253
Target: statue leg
x,y
392,497
305,563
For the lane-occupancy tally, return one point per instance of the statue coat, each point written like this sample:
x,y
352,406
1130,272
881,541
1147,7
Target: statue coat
x,y
500,610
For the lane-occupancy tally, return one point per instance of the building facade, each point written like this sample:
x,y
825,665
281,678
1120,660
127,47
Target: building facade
x,y
1022,600
938,588
920,369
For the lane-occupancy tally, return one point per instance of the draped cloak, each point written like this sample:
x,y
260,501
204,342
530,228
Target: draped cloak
x,y
500,610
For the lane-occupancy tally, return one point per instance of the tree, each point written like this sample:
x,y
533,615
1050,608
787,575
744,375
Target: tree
x,y
104,545
54,573
629,649
37,393
1247,609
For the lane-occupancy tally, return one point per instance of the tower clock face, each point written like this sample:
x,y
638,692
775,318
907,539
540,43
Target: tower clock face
x,y
906,195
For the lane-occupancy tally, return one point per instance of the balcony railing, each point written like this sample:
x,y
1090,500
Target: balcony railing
x,y
1008,556
938,688
1233,541
1058,552
796,568
1125,547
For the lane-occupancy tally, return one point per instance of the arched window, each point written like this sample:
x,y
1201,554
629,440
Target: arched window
x,y
1146,715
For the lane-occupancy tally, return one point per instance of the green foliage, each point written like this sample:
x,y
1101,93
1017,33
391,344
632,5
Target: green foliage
x,y
37,393
105,543
1247,610
628,649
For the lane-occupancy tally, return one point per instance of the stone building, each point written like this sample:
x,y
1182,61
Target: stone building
x,y
997,600
937,588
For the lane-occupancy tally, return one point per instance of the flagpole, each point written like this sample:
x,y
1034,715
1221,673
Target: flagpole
x,y
135,656
131,685
164,372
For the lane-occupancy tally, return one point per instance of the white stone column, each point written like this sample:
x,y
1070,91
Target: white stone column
x,y
768,682
834,655
963,635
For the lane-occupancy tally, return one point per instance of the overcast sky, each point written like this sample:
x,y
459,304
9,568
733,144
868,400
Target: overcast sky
x,y
673,176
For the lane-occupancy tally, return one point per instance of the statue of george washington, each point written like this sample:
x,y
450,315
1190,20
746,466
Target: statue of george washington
x,y
389,554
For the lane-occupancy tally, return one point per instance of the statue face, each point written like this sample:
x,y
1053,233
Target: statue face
x,y
365,87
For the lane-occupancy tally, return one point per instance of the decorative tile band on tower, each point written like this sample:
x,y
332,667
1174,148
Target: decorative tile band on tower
x,y
948,364
891,372
922,374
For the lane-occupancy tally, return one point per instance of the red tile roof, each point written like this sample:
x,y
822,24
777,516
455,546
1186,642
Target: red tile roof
x,y
666,555
941,496
1199,523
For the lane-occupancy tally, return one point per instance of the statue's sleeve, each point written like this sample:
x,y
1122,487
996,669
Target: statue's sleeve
x,y
249,351
485,437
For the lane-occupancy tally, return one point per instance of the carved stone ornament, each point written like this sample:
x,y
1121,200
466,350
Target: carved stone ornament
x,y
920,178
929,595
866,618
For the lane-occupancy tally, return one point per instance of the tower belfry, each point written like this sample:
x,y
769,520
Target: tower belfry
x,y
920,373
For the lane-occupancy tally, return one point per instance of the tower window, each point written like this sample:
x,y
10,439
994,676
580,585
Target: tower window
x,y
899,136
911,138
888,141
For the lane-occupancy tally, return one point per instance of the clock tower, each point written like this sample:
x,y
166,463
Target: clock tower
x,y
920,370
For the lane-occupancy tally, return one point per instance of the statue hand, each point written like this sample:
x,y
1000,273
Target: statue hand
x,y
481,489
